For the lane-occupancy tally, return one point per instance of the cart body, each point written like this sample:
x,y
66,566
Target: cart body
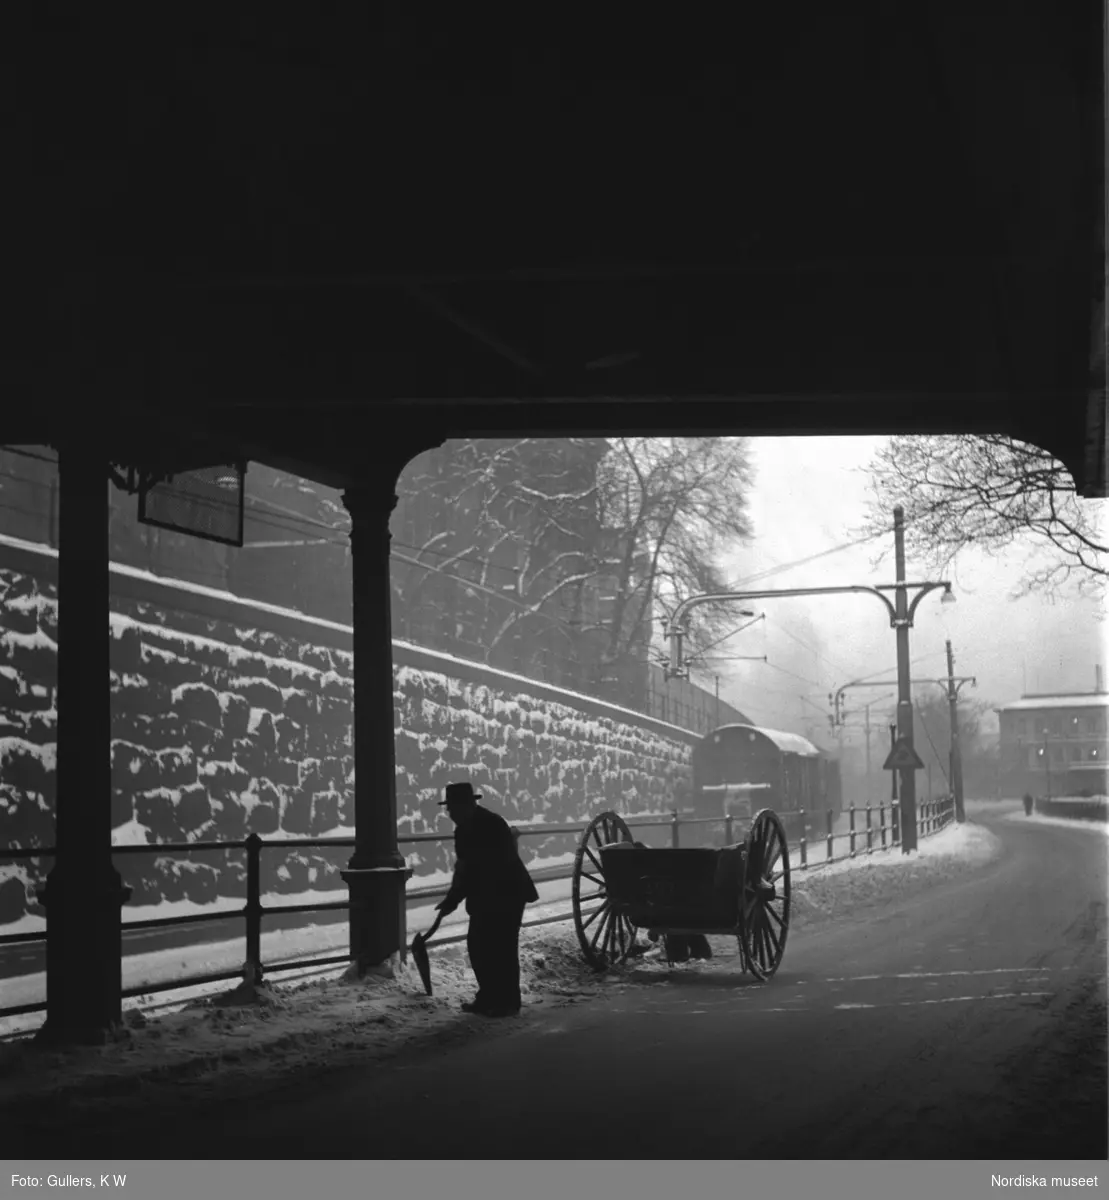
x,y
675,891
742,890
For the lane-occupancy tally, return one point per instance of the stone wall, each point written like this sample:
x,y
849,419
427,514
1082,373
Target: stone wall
x,y
231,717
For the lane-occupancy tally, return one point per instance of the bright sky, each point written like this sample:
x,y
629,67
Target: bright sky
x,y
809,495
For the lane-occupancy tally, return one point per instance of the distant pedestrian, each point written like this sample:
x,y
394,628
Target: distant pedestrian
x,y
490,876
1027,804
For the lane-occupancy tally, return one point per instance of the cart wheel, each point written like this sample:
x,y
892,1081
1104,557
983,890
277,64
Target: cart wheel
x,y
606,939
764,910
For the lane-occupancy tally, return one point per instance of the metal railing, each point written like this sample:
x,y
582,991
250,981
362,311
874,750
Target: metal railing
x,y
932,815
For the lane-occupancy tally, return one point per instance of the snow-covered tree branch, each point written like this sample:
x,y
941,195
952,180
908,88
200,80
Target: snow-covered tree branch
x,y
990,492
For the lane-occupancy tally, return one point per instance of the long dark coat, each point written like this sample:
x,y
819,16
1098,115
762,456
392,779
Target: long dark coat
x,y
489,874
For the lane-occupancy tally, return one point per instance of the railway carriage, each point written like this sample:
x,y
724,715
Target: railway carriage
x,y
739,769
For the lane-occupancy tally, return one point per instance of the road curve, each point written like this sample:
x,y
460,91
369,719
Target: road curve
x,y
963,1020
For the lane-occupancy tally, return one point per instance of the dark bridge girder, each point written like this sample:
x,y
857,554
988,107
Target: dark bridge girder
x,y
327,247
848,220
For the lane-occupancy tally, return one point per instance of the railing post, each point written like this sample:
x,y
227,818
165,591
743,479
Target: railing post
x,y
675,840
829,819
804,842
895,823
869,833
252,968
851,829
882,824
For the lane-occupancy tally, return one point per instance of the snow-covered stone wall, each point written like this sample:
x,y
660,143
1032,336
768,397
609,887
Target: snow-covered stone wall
x,y
230,718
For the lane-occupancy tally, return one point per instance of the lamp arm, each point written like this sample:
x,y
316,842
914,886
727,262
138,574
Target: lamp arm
x,y
928,587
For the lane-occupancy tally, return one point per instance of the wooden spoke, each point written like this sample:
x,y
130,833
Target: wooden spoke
x,y
770,937
594,915
602,926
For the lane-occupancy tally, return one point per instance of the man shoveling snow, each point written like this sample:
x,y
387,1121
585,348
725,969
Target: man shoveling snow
x,y
492,879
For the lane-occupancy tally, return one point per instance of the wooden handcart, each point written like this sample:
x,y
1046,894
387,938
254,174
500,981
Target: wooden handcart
x,y
621,887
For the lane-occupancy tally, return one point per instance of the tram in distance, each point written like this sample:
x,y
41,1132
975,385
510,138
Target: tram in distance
x,y
740,769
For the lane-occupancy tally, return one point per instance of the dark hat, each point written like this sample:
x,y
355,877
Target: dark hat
x,y
460,791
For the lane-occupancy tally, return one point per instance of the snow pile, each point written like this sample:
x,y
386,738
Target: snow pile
x,y
325,1023
853,883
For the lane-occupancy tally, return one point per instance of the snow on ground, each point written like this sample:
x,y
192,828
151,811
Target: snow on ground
x,y
300,1027
1090,826
328,1022
840,887
969,842
284,945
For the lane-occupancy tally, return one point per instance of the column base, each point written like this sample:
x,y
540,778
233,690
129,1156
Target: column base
x,y
84,957
378,926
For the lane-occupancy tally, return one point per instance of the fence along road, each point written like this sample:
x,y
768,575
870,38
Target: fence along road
x,y
859,831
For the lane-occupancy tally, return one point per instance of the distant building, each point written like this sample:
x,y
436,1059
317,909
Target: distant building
x,y
1055,744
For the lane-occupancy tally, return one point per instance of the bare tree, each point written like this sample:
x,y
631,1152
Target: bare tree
x,y
493,539
963,490
678,504
565,542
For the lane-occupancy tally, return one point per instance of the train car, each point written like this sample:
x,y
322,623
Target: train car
x,y
742,768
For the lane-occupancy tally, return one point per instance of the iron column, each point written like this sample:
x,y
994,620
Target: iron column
x,y
904,687
376,873
956,750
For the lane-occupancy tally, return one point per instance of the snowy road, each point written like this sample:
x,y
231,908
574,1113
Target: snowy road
x,y
966,1019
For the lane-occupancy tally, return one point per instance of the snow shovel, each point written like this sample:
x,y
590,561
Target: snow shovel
x,y
419,953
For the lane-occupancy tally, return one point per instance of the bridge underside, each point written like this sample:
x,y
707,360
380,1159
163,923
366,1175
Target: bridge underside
x,y
328,248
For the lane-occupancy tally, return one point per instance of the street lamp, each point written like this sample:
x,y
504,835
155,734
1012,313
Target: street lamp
x,y
676,628
901,613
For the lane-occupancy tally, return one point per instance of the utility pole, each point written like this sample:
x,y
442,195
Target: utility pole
x,y
956,749
893,774
904,687
868,791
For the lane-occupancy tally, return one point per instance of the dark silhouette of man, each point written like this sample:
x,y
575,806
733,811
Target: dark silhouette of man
x,y
496,886
1027,804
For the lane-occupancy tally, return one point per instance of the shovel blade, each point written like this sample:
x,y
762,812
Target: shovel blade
x,y
422,961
